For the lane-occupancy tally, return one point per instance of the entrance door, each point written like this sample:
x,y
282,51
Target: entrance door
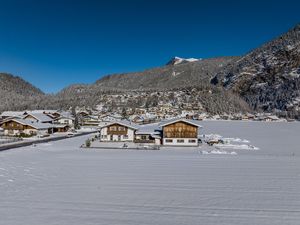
x,y
119,137
111,137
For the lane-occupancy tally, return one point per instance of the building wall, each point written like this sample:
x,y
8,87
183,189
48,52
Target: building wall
x,y
180,134
180,130
65,121
107,135
180,141
29,131
29,117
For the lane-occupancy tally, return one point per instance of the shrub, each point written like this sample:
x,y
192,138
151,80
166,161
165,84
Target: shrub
x,y
88,143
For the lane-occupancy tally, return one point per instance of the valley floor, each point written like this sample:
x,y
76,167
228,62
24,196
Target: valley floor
x,y
60,183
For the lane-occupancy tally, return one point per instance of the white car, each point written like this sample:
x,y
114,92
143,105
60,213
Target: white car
x,y
70,135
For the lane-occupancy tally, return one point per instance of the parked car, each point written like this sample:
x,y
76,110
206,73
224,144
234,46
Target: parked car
x,y
70,135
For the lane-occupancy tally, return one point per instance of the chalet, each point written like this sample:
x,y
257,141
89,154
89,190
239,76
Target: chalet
x,y
67,120
248,116
180,132
90,120
13,127
83,113
38,117
118,131
137,119
61,128
271,118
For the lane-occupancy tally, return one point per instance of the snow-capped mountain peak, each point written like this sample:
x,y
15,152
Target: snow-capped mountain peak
x,y
177,60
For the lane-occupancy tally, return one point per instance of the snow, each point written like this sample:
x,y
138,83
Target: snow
x,y
59,183
179,60
217,152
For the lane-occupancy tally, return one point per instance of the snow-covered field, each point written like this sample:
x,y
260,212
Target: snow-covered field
x,y
59,183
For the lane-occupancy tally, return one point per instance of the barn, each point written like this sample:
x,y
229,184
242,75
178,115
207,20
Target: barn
x,y
180,132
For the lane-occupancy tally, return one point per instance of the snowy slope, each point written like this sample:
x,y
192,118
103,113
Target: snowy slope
x,y
58,183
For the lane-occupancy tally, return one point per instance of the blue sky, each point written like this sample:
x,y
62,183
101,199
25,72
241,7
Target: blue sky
x,y
53,44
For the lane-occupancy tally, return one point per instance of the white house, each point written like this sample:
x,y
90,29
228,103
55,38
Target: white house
x,y
118,131
68,120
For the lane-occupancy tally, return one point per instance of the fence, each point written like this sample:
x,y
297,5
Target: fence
x,y
7,139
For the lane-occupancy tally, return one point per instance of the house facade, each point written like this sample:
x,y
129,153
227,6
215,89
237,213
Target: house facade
x,y
14,127
180,132
118,131
65,120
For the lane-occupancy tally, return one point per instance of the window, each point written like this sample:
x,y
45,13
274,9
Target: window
x,y
192,141
113,128
144,137
125,136
121,128
180,141
169,140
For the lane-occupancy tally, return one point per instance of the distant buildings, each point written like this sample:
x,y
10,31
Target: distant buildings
x,y
38,122
178,132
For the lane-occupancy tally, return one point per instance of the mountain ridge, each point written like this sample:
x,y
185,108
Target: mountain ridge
x,y
266,79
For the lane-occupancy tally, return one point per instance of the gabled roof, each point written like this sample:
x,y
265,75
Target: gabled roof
x,y
123,123
45,111
41,117
192,122
36,125
65,117
11,114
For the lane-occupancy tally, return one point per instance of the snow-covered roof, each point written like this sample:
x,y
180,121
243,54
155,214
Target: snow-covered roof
x,y
12,114
60,125
273,117
65,117
149,129
66,114
124,123
41,111
192,122
41,117
36,125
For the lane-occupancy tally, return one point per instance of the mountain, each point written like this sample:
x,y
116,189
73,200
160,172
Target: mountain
x,y
16,93
171,84
166,77
268,78
177,60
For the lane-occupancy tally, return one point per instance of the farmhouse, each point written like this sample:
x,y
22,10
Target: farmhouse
x,y
118,131
180,132
13,127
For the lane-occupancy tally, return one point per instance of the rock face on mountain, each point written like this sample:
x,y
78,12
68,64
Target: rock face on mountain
x,y
268,78
16,93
